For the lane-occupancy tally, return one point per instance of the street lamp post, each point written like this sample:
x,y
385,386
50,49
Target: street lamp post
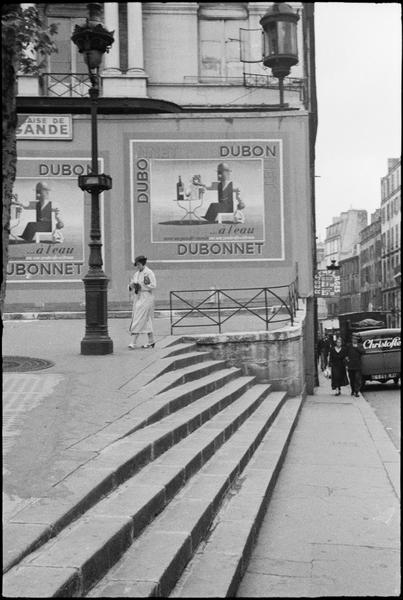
x,y
93,40
280,41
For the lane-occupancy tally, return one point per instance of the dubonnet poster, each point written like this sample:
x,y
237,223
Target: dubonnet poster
x,y
203,200
47,221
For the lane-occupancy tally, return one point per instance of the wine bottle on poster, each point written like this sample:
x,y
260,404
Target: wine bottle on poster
x,y
180,191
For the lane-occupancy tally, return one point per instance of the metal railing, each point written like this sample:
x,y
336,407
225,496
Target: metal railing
x,y
247,80
214,307
65,84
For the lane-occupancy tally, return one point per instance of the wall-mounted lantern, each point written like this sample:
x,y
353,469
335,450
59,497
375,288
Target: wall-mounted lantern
x,y
280,41
333,266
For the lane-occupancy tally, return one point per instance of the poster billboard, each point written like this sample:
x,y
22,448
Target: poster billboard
x,y
47,225
207,200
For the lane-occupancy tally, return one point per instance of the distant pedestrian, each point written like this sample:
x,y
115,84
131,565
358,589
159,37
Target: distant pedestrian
x,y
324,349
142,284
337,357
353,361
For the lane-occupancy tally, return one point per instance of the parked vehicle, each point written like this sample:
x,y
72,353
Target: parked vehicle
x,y
360,321
381,360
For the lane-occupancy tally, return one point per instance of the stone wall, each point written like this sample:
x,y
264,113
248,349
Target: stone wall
x,y
275,357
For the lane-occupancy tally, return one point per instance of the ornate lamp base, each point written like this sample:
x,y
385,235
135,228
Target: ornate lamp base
x,y
96,340
96,346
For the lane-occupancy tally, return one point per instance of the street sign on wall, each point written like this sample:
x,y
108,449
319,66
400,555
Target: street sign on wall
x,y
326,284
44,127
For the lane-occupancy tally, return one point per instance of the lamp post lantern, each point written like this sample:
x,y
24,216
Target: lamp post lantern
x,y
280,41
93,40
333,267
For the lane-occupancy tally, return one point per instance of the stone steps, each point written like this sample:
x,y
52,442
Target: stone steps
x,y
90,545
177,348
178,361
220,561
119,459
186,373
154,562
127,522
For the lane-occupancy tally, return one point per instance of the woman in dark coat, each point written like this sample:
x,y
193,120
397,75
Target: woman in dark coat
x,y
337,357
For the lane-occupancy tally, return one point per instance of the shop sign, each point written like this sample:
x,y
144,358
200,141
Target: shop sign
x,y
44,127
326,284
49,223
388,343
207,200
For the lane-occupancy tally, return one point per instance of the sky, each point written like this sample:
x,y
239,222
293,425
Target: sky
x,y
358,71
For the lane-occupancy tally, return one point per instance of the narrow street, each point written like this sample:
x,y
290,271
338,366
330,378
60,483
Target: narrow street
x,y
385,401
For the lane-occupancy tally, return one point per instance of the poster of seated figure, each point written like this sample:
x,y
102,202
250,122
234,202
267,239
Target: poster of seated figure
x,y
47,226
207,199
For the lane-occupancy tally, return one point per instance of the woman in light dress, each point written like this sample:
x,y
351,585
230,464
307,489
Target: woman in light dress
x,y
142,284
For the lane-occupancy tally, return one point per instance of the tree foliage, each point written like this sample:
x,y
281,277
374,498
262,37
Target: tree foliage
x,y
25,43
33,41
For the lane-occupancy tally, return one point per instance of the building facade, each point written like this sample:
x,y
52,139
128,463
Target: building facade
x,y
183,92
371,264
391,242
343,235
350,296
341,243
171,108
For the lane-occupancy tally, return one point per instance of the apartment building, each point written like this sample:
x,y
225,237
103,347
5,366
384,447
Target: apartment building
x,y
342,236
391,242
371,264
341,243
350,296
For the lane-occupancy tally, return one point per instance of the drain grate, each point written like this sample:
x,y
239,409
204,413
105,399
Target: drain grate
x,y
21,364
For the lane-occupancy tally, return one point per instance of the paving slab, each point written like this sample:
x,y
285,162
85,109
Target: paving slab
x,y
333,523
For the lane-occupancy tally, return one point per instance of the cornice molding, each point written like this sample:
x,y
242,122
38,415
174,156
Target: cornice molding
x,y
176,8
51,105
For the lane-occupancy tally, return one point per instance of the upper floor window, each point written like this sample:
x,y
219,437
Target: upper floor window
x,y
67,72
219,37
66,16
67,59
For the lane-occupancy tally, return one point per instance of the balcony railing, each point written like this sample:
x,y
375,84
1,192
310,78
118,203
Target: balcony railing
x,y
65,84
78,84
249,80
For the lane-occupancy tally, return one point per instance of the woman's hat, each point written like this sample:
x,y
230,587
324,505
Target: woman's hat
x,y
140,259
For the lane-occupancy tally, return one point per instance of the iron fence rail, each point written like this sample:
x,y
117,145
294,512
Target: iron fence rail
x,y
213,307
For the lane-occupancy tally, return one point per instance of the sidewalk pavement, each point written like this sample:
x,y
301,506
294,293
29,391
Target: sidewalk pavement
x,y
46,412
332,524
